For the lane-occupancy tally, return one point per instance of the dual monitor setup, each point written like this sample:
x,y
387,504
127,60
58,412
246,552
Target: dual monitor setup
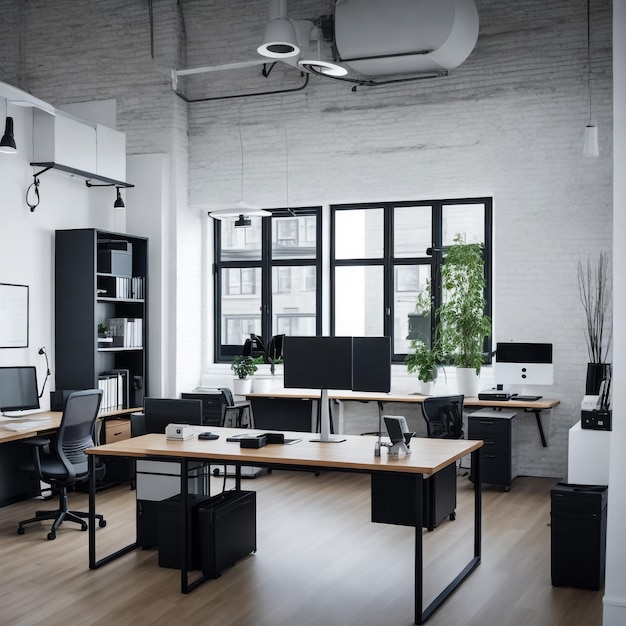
x,y
346,363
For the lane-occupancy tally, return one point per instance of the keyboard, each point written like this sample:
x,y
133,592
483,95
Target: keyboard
x,y
20,426
526,398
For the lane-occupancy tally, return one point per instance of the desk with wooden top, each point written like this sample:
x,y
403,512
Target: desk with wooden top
x,y
16,485
356,454
534,407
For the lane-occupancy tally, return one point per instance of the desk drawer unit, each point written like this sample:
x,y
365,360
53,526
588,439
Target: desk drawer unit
x,y
116,430
495,429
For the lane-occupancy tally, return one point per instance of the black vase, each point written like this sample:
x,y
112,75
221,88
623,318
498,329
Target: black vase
x,y
596,373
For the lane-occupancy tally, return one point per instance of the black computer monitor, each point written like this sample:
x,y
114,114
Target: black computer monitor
x,y
318,363
18,388
159,412
371,364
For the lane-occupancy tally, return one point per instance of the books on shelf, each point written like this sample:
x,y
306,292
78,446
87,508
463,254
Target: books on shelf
x,y
127,332
121,287
115,390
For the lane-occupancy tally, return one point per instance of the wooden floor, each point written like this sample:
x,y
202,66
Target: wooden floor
x,y
320,561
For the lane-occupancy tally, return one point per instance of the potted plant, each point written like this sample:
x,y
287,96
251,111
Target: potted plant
x,y
423,361
104,335
243,367
462,323
595,289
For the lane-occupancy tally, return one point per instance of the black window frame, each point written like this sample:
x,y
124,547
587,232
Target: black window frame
x,y
226,352
434,259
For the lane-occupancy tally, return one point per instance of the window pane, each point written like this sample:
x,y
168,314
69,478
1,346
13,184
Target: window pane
x,y
359,234
293,237
412,231
241,304
466,219
359,303
239,243
411,307
293,300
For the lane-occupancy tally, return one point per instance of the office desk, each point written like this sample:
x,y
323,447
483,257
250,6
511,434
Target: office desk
x,y
356,454
360,396
16,485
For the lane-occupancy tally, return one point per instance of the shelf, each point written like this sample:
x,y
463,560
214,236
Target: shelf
x,y
50,165
120,349
106,299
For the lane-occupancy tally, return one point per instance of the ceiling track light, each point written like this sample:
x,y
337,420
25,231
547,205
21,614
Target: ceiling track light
x,y
7,143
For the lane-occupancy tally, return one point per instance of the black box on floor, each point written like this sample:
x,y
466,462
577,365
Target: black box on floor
x,y
596,420
578,535
169,531
227,528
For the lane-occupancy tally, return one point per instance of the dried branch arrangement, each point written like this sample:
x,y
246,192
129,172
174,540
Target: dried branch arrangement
x,y
595,289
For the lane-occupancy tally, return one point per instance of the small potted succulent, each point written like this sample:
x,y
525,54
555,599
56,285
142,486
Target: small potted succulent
x,y
244,368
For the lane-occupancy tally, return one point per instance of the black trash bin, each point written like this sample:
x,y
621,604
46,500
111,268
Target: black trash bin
x,y
578,533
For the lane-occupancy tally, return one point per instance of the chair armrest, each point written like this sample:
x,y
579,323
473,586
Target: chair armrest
x,y
36,441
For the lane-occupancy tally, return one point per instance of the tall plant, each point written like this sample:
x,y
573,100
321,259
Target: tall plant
x,y
595,289
463,324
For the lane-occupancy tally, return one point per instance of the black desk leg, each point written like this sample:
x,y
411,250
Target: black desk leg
x,y
422,615
537,413
95,563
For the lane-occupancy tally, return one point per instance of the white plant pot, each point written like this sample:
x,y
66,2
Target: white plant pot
x,y
467,381
242,386
262,384
425,389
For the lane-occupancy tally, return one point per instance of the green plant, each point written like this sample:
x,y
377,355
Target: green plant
x,y
462,323
422,360
243,366
103,330
595,289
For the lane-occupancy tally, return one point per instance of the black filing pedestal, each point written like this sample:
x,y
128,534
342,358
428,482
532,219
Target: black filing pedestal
x,y
578,533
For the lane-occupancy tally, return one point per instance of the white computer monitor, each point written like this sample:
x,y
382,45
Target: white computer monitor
x,y
523,364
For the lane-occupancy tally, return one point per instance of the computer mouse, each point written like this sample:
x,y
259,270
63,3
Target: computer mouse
x,y
208,436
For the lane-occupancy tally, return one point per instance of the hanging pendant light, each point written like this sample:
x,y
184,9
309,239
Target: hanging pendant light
x,y
7,143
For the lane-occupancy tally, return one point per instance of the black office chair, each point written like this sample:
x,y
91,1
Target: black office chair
x,y
64,463
444,420
444,416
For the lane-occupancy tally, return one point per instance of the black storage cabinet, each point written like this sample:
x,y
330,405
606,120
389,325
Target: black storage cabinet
x,y
578,533
227,529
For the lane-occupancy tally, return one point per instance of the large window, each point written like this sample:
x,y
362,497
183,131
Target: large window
x,y
267,278
386,263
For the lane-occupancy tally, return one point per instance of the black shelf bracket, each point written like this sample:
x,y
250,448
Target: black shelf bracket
x,y
103,181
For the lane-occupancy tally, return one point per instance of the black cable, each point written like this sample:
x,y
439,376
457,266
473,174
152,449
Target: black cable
x,y
244,95
32,206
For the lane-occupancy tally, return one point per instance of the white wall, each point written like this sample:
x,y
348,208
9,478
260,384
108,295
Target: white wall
x,y
615,587
27,238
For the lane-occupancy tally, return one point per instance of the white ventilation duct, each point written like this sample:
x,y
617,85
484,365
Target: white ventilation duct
x,y
405,36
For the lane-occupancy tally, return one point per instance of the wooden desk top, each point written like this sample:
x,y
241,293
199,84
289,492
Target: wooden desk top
x,y
48,426
363,396
356,453
41,428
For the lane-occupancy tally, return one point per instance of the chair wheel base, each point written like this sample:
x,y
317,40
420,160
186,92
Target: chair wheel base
x,y
20,530
51,536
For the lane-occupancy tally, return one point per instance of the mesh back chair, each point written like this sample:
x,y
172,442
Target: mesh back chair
x,y
64,462
444,416
444,420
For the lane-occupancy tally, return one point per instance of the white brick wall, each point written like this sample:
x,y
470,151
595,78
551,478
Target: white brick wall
x,y
508,123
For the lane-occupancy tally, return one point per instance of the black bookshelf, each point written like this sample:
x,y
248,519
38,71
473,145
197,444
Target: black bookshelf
x,y
99,276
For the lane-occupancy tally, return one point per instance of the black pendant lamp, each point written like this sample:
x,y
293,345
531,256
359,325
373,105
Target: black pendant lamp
x,y
7,144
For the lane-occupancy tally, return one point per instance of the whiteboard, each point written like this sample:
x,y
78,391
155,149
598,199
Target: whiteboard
x,y
13,316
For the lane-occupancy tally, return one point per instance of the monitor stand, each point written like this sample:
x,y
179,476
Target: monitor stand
x,y
325,436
